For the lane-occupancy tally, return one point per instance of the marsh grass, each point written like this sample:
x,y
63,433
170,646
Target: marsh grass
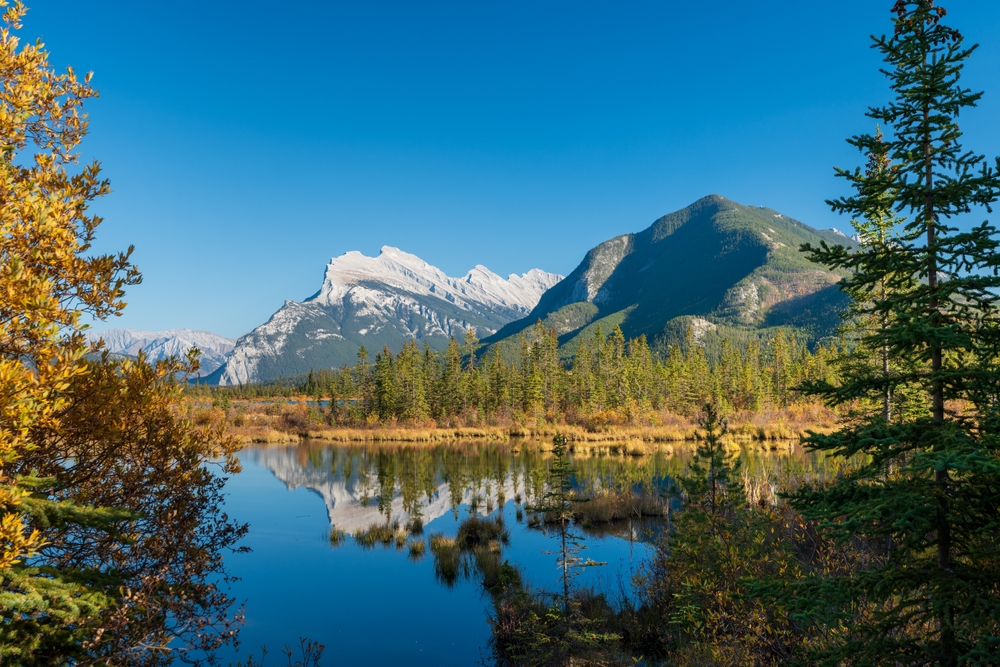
x,y
284,421
476,552
609,506
477,532
417,549
337,537
447,559
384,534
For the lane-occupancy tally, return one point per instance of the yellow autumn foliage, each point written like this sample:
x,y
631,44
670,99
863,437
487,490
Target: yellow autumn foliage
x,y
111,531
48,282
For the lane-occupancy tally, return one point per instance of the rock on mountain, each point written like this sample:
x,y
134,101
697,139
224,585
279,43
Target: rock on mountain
x,y
161,344
375,302
723,263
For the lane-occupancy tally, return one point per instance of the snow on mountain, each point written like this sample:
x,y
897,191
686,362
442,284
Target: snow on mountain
x,y
172,343
375,302
403,271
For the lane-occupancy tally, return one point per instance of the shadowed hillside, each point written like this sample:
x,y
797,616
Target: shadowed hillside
x,y
726,264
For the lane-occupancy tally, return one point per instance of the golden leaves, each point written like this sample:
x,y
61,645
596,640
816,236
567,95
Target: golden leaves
x,y
46,281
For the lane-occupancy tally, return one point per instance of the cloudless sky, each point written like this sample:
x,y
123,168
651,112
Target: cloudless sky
x,y
247,143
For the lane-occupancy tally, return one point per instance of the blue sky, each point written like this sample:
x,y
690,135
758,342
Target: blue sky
x,y
247,143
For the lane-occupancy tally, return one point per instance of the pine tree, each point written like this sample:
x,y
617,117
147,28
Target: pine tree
x,y
557,507
450,386
875,230
384,384
411,393
713,471
924,486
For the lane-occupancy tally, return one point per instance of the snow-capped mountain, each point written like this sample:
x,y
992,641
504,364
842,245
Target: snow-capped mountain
x,y
375,302
172,343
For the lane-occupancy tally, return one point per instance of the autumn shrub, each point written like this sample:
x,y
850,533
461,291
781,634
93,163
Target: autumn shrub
x,y
112,538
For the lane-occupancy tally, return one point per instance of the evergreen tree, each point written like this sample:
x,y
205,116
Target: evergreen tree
x,y
713,471
411,392
557,507
384,384
924,486
363,380
451,380
875,230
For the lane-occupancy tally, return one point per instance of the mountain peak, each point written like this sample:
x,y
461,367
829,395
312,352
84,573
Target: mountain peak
x,y
384,300
405,271
716,259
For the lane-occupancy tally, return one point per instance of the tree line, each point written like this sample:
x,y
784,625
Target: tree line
x,y
608,380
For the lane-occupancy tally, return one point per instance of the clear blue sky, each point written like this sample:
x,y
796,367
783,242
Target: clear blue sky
x,y
249,142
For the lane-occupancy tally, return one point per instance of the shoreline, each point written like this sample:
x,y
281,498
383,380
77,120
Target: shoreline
x,y
639,436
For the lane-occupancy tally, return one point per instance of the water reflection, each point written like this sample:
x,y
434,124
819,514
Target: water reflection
x,y
364,484
309,576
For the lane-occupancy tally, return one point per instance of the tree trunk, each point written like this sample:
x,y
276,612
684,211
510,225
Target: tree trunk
x,y
946,614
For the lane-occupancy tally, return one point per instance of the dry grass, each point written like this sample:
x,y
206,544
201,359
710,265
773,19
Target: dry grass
x,y
417,549
618,505
281,421
385,534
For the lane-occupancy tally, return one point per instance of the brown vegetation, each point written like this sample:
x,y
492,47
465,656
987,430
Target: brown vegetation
x,y
292,420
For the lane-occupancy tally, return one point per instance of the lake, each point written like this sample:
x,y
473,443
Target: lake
x,y
385,605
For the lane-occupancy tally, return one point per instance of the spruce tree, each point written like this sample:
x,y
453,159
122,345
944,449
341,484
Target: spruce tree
x,y
924,489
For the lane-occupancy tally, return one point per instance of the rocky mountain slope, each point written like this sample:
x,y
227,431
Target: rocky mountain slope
x,y
718,261
375,302
172,343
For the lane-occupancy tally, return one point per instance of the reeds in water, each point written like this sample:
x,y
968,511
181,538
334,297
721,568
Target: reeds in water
x,y
480,531
417,549
385,534
447,559
611,506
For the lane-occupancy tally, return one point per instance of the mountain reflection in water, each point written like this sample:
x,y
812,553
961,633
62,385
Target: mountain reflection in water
x,y
384,606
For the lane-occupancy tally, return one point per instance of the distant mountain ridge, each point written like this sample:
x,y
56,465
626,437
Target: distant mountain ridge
x,y
172,343
379,301
721,262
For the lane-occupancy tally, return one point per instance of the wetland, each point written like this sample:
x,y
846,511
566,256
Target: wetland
x,y
369,549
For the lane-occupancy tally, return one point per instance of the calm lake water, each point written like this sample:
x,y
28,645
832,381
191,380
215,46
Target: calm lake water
x,y
379,606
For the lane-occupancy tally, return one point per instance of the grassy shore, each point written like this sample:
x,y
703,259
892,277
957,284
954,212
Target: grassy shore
x,y
296,420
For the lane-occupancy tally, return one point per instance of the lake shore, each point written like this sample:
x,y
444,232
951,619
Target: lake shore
x,y
301,419
258,424
575,434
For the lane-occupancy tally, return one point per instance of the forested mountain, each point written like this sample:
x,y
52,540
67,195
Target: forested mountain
x,y
715,268
376,302
172,343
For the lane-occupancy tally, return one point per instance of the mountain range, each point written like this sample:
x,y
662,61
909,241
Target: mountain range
x,y
173,343
715,268
379,301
